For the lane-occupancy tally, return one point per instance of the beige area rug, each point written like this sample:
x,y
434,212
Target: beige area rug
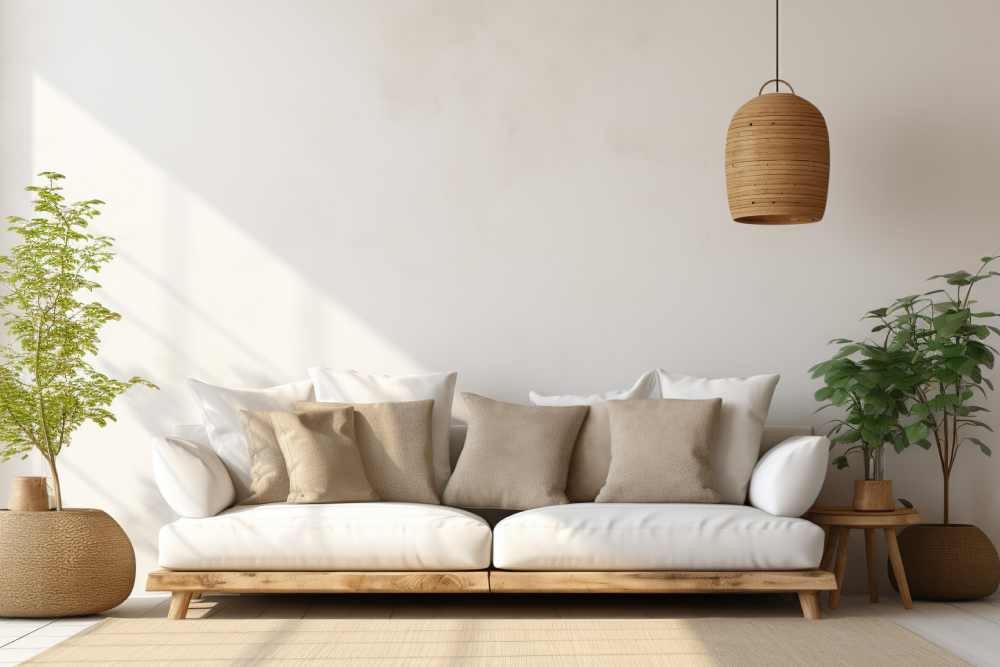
x,y
722,641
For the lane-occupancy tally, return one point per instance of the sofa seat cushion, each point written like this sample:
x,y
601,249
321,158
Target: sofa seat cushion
x,y
644,536
329,537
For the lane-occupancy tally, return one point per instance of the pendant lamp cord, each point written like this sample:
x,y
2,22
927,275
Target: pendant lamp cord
x,y
776,74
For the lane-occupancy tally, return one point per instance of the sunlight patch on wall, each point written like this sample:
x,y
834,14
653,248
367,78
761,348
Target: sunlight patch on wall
x,y
198,295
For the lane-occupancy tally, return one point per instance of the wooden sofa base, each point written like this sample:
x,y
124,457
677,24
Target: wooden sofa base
x,y
183,585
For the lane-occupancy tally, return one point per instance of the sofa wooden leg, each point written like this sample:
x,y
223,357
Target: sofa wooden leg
x,y
810,604
179,601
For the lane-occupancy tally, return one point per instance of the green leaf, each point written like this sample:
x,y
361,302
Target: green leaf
x,y
823,394
982,446
847,351
847,438
916,432
955,278
948,324
975,422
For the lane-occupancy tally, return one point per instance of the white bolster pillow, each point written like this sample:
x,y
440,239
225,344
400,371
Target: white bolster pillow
x,y
787,480
191,477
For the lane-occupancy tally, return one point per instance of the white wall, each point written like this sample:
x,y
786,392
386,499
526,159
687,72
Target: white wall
x,y
529,192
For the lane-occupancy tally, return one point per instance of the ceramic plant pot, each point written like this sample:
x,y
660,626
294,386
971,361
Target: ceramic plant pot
x,y
72,562
948,562
873,495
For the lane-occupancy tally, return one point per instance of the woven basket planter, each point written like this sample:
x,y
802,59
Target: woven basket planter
x,y
777,161
68,563
953,562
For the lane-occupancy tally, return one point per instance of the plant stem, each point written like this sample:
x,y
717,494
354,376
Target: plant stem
x,y
947,476
56,486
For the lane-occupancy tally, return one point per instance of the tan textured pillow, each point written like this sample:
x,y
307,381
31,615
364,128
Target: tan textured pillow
x,y
396,445
268,474
324,465
660,451
515,456
588,468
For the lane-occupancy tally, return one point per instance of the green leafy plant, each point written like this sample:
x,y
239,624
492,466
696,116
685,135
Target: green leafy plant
x,y
920,375
48,387
870,382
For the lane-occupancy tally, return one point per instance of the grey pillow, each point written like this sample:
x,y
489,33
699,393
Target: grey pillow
x,y
660,451
515,456
397,447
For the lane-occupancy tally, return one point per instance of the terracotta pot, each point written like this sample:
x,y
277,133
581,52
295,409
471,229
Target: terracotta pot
x,y
873,495
948,562
67,563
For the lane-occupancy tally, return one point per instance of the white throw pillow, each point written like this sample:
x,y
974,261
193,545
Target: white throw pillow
x,y
788,478
353,387
190,476
222,406
588,468
736,446
644,387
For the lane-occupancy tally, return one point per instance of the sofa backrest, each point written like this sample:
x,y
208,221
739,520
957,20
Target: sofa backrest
x,y
773,434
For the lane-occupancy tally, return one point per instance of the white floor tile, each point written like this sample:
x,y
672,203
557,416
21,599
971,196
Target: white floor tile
x,y
20,626
58,629
15,655
34,640
968,636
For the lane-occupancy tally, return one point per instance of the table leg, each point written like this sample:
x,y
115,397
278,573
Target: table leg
x,y
829,545
842,533
897,567
872,565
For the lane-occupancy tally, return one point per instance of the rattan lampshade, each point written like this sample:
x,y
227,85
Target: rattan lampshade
x,y
777,161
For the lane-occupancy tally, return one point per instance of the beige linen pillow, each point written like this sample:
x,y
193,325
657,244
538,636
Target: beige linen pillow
x,y
660,451
323,462
588,467
268,473
515,456
396,445
736,439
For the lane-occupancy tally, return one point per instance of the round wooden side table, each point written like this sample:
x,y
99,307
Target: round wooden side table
x,y
838,522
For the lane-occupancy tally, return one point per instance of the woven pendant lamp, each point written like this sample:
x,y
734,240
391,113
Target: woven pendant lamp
x,y
777,158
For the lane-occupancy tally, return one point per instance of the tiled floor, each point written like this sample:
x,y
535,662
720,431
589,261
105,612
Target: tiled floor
x,y
21,639
970,630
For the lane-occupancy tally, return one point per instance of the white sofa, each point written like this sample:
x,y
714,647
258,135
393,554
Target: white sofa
x,y
579,547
